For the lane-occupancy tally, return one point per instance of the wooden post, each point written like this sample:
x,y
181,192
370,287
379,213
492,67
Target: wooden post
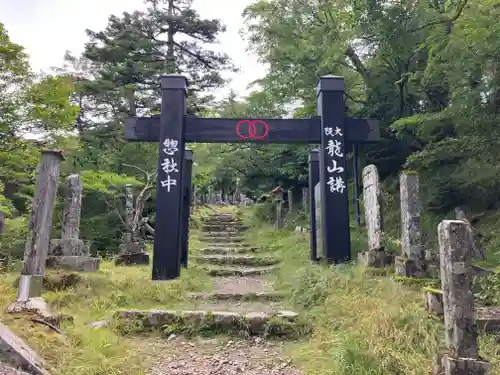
x,y
40,226
167,259
336,234
313,181
186,202
2,221
458,301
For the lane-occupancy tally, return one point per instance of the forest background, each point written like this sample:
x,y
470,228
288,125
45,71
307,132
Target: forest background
x,y
428,70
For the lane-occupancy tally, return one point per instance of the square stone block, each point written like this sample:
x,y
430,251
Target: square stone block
x,y
134,259
376,259
74,263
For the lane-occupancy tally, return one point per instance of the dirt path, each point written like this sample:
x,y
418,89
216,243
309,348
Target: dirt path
x,y
222,356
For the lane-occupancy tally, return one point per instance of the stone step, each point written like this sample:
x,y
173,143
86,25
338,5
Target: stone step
x,y
236,296
275,323
223,239
229,250
238,271
223,224
220,229
74,263
221,219
238,260
222,235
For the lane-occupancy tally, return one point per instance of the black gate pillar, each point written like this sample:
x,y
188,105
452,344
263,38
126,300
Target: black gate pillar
x,y
333,177
166,258
186,204
313,180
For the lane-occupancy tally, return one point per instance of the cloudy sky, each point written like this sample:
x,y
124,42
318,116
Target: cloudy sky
x,y
48,28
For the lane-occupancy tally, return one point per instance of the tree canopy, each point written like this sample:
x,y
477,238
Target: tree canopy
x,y
428,70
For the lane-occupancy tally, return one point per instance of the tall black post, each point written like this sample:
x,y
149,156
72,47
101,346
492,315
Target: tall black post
x,y
355,156
166,259
313,180
186,203
333,176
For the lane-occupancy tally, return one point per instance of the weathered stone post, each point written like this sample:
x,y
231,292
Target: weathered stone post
x,y
291,202
70,252
372,199
305,199
40,226
132,250
458,300
280,211
412,262
129,212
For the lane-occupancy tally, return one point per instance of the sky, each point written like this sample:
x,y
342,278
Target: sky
x,y
48,28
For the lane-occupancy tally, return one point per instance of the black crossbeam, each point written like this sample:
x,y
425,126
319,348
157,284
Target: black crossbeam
x,y
220,130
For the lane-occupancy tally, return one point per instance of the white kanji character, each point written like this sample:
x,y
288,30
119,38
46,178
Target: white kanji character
x,y
334,168
329,131
169,165
334,147
336,184
170,146
168,183
338,131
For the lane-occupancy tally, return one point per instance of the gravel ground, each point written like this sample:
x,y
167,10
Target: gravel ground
x,y
237,284
223,357
7,370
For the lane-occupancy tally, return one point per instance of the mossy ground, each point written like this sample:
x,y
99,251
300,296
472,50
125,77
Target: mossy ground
x,y
362,324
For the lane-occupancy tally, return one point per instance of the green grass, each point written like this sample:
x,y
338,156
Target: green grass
x,y
96,296
362,325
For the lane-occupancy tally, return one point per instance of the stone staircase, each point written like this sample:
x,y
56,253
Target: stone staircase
x,y
241,299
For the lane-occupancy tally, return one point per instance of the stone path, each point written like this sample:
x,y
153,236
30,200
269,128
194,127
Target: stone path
x,y
222,357
241,299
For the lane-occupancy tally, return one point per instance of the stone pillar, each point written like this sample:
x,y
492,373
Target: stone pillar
x,y
289,195
462,356
412,262
305,199
280,212
372,199
129,212
2,221
70,252
132,249
40,226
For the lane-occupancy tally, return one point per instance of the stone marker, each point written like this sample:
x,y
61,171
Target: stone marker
x,y
70,252
462,356
132,249
16,352
40,226
2,221
372,199
280,212
305,199
412,262
290,197
477,251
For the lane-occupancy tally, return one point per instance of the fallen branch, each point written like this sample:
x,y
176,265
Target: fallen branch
x,y
45,323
